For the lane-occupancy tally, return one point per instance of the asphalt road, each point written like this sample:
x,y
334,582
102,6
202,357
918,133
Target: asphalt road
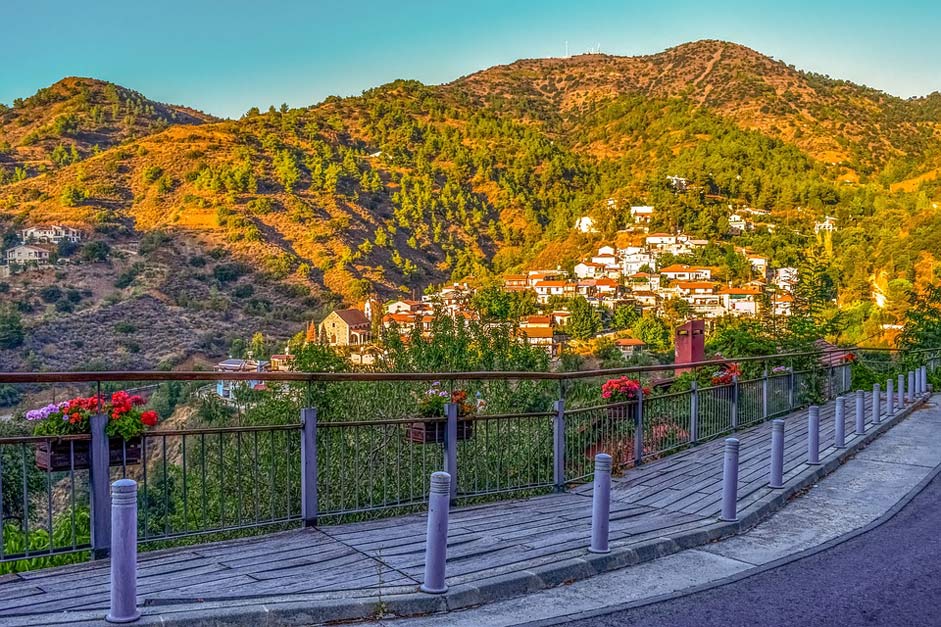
x,y
889,576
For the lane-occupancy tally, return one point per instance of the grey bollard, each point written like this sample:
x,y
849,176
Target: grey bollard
x,y
901,391
876,403
436,541
889,399
860,412
730,481
911,387
839,431
813,435
601,504
777,454
123,552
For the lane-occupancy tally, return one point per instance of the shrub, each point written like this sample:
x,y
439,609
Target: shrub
x,y
50,293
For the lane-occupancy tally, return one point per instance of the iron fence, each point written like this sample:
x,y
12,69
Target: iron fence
x,y
366,451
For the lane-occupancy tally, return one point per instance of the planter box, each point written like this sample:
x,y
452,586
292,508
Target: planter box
x,y
53,455
428,432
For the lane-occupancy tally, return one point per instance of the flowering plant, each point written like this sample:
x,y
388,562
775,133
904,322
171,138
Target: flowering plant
x,y
432,402
127,417
727,375
849,357
622,389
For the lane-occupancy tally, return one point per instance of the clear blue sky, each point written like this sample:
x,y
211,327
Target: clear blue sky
x,y
228,55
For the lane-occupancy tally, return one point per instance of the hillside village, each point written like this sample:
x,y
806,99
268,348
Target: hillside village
x,y
628,274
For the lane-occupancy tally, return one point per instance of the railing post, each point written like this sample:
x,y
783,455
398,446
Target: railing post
x,y
830,385
911,386
601,504
813,435
558,446
730,481
876,403
98,481
901,391
639,430
309,466
694,413
839,432
777,454
790,389
889,399
436,537
860,412
123,552
450,447
734,402
764,394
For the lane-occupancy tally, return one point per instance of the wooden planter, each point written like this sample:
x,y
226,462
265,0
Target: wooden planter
x,y
427,432
53,455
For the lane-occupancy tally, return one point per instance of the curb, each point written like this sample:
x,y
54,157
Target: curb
x,y
307,610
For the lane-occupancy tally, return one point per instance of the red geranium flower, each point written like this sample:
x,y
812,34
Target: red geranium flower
x,y
149,418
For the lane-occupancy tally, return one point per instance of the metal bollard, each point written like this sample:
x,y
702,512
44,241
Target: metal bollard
x,y
730,481
860,412
813,435
839,431
876,403
601,504
777,454
911,387
889,399
901,391
123,552
436,541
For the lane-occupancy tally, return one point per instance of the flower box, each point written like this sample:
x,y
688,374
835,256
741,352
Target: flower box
x,y
428,432
627,411
53,455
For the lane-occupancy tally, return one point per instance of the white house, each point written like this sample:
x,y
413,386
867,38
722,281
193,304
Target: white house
x,y
659,240
27,254
642,214
588,269
740,300
52,234
737,223
759,264
546,289
585,224
785,278
828,224
683,272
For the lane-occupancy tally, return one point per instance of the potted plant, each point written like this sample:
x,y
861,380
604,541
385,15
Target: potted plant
x,y
127,421
620,393
727,375
431,405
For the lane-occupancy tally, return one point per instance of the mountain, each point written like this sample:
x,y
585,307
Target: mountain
x,y
410,184
76,117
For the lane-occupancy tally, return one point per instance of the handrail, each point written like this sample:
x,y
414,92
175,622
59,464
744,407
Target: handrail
x,y
314,377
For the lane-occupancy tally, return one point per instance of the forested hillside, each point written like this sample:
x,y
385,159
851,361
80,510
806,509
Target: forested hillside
x,y
410,184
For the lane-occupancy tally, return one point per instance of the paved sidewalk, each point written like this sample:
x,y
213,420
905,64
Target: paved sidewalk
x,y
865,489
495,551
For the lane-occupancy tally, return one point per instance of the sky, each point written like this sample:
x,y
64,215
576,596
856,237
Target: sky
x,y
225,56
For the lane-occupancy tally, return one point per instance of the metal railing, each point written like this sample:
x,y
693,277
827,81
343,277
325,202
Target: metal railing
x,y
348,446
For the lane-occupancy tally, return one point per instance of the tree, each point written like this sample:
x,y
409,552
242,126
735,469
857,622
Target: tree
x,y
585,321
287,169
11,328
923,321
652,332
96,251
624,317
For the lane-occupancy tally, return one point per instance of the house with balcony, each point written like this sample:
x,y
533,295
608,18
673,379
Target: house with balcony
x,y
683,272
740,301
28,255
226,390
52,234
547,289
